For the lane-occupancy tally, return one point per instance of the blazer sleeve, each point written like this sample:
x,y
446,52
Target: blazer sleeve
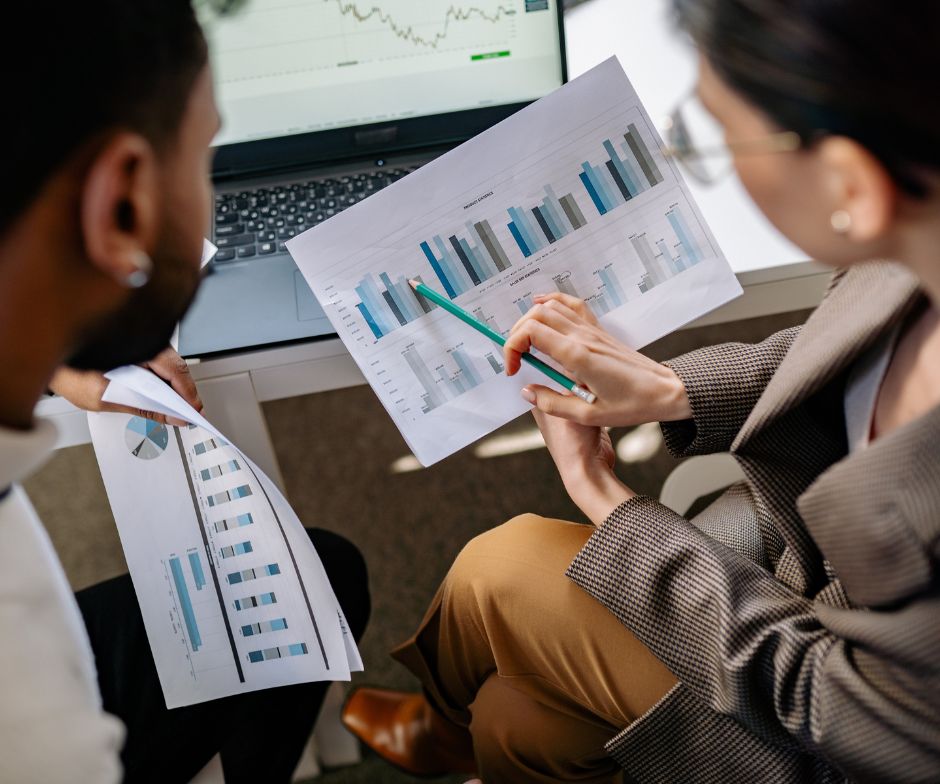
x,y
859,687
724,383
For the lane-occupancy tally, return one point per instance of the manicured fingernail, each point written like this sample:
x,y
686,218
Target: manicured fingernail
x,y
528,395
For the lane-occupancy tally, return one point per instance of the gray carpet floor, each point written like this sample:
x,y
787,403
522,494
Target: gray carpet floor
x,y
336,451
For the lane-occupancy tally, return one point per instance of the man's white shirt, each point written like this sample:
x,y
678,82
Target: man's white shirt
x,y
52,726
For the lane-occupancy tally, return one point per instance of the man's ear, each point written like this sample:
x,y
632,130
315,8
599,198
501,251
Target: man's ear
x,y
119,208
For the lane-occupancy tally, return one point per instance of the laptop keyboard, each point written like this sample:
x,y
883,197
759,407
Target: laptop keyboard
x,y
256,223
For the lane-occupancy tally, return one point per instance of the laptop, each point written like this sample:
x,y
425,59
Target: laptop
x,y
325,102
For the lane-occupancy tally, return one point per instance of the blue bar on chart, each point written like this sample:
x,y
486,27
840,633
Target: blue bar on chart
x,y
621,177
195,566
233,522
242,548
551,220
253,574
207,446
690,253
186,605
386,309
229,495
462,262
251,629
216,471
281,652
261,599
613,291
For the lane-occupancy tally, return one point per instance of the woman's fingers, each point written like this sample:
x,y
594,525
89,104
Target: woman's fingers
x,y
548,401
579,306
536,334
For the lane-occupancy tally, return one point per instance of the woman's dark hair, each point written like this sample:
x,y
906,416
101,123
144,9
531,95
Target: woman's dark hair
x,y
866,69
79,68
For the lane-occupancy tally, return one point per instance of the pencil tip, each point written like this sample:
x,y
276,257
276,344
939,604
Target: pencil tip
x,y
413,283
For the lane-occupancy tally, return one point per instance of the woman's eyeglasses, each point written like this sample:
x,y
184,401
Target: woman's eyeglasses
x,y
696,140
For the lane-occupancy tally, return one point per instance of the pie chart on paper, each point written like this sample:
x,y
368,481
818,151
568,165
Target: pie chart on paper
x,y
145,438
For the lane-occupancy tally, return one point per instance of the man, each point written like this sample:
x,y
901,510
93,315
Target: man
x,y
105,200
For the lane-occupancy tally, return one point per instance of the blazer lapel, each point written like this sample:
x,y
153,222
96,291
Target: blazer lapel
x,y
869,299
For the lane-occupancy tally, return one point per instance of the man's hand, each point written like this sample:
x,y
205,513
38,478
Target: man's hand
x,y
585,460
84,389
631,389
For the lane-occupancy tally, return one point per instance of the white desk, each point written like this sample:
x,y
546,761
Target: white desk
x,y
775,276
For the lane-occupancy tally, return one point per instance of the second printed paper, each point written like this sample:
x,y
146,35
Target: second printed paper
x,y
570,194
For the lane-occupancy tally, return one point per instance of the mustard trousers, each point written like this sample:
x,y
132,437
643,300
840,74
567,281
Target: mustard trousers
x,y
540,673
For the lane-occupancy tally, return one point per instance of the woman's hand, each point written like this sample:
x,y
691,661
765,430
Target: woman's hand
x,y
585,460
84,389
631,389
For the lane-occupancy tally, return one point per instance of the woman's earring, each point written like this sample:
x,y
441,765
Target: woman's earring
x,y
141,275
841,221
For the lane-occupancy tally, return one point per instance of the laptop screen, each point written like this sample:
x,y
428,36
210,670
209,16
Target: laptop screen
x,y
288,67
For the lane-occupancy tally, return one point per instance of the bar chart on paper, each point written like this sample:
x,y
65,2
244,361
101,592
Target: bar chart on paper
x,y
573,194
225,578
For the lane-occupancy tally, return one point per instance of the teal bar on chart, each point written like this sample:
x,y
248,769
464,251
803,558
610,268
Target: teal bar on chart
x,y
186,605
195,566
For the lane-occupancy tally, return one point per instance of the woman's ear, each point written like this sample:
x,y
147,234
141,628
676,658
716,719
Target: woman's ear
x,y
861,190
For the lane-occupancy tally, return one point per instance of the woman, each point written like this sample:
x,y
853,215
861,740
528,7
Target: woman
x,y
791,632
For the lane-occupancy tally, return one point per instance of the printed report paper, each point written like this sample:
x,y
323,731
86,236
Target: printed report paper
x,y
233,595
571,194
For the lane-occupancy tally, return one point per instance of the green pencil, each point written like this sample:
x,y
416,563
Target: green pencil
x,y
479,326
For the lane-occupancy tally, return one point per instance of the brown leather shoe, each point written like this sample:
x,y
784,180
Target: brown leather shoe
x,y
405,730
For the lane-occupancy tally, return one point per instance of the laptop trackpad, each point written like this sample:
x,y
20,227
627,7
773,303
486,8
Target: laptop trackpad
x,y
307,306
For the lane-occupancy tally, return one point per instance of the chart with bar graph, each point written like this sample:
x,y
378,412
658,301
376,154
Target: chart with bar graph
x,y
573,194
224,571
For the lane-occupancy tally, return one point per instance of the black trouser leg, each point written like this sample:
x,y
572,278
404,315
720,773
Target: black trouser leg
x,y
260,735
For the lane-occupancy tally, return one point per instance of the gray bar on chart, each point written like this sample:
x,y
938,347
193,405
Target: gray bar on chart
x,y
435,398
425,305
492,245
494,363
570,206
642,154
645,252
563,282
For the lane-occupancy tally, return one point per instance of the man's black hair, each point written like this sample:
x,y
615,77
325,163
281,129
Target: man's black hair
x,y
78,69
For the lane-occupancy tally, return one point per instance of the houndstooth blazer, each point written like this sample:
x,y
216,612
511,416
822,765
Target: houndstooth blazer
x,y
801,611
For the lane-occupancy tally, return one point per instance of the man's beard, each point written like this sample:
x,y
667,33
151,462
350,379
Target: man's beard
x,y
142,328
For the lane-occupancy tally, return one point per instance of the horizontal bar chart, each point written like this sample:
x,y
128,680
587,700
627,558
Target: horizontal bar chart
x,y
253,574
207,446
225,496
249,602
281,652
242,548
233,522
276,625
220,470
